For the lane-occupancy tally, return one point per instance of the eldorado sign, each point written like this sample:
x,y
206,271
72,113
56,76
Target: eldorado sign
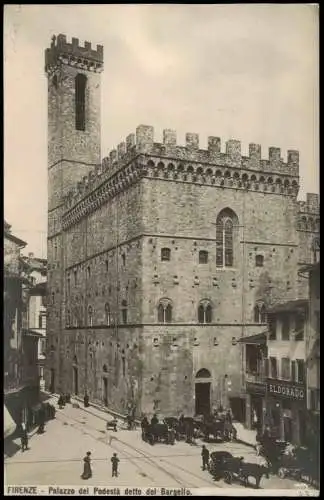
x,y
281,389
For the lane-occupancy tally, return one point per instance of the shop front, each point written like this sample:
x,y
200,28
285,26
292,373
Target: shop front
x,y
286,410
255,405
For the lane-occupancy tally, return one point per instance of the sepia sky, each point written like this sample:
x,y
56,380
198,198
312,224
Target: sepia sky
x,y
248,72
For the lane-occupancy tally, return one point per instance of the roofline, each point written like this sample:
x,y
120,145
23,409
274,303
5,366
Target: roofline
x,y
13,238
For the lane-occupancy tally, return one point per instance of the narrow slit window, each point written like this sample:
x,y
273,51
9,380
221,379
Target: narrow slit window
x,y
80,93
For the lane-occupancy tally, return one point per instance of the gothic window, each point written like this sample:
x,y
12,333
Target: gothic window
x,y
68,318
80,88
165,254
107,314
124,311
260,313
204,312
90,316
165,311
259,259
225,238
203,257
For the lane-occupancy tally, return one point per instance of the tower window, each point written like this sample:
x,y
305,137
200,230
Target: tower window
x,y
80,88
165,254
259,260
124,259
225,238
203,257
88,272
75,277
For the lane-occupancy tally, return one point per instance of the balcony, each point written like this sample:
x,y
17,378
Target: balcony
x,y
255,377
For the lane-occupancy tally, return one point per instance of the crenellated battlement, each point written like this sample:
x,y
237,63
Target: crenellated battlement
x,y
73,54
311,205
139,156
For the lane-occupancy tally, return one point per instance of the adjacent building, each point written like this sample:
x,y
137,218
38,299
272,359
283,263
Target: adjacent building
x,y
20,351
161,257
36,310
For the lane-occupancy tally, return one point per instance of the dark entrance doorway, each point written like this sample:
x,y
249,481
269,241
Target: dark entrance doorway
x,y
256,412
52,381
75,380
105,391
237,406
202,393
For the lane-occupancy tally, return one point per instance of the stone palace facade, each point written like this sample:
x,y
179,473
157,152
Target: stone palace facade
x,y
160,256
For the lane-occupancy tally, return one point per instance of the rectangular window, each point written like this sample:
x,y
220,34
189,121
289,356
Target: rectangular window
x,y
285,326
259,260
273,367
165,254
285,368
293,371
299,327
272,328
266,367
203,257
75,272
301,375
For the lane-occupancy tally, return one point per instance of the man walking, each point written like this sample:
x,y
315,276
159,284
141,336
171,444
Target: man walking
x,y
24,437
114,461
205,457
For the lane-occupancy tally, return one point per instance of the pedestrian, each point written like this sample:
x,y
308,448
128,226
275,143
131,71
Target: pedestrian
x,y
205,457
114,461
41,420
86,400
87,472
24,437
154,419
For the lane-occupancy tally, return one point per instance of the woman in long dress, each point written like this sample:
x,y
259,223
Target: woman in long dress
x,y
87,472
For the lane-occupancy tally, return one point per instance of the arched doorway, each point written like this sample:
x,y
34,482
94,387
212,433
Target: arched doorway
x,y
202,392
75,376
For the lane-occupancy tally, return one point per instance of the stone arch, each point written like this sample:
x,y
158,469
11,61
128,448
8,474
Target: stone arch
x,y
286,183
227,174
199,171
203,373
278,181
150,164
262,179
190,170
218,173
269,180
253,178
170,167
209,172
180,168
245,177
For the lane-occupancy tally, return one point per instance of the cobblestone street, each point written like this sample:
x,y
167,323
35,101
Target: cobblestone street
x,y
56,457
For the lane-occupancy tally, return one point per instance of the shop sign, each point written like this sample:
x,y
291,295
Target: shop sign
x,y
288,390
255,388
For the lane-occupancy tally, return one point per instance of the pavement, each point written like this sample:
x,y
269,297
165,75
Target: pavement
x,y
55,457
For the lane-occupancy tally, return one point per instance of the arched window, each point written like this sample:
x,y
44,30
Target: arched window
x,y
203,373
260,313
124,312
107,314
165,254
204,312
225,238
90,316
80,88
165,311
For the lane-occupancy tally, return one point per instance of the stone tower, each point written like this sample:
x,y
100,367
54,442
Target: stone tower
x,y
74,125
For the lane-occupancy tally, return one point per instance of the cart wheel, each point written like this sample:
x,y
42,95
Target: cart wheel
x,y
228,477
281,473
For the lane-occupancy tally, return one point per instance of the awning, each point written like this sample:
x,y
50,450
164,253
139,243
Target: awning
x,y
259,338
291,305
9,423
